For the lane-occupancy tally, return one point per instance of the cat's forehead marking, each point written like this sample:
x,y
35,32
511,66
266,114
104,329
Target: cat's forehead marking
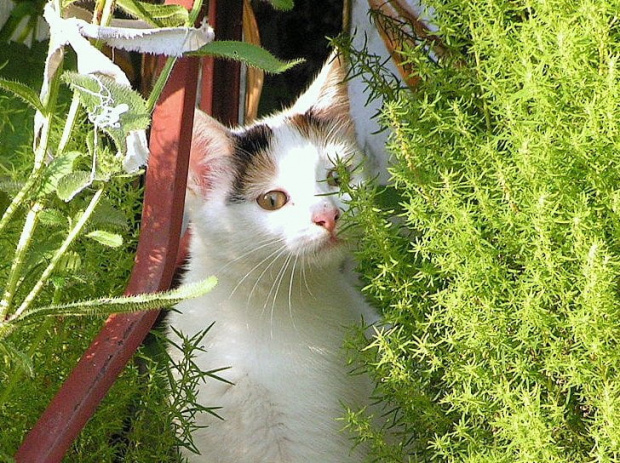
x,y
306,123
252,161
252,141
311,125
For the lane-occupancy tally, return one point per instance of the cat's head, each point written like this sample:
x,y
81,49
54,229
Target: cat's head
x,y
273,188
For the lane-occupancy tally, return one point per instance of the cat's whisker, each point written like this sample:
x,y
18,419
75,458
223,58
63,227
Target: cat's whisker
x,y
267,297
252,248
290,293
247,254
291,276
276,284
276,253
303,273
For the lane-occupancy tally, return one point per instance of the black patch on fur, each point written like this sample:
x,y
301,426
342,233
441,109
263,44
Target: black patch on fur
x,y
248,145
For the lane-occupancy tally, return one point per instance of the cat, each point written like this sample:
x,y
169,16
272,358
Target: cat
x,y
266,212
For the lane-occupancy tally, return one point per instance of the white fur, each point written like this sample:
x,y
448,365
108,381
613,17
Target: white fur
x,y
281,309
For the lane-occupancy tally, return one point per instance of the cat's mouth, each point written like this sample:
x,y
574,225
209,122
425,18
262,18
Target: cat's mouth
x,y
330,241
320,245
334,240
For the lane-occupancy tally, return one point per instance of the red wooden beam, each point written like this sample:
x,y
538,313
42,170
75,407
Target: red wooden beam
x,y
220,95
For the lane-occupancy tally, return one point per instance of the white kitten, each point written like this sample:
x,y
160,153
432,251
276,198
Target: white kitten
x,y
265,211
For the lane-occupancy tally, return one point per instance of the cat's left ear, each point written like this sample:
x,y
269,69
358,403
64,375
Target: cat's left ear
x,y
327,97
211,155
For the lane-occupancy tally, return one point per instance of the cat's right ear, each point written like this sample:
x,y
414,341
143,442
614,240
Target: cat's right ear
x,y
212,148
327,97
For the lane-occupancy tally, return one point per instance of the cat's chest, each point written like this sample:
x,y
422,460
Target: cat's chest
x,y
294,327
281,343
274,321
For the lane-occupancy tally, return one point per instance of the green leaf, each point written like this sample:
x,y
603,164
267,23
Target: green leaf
x,y
156,15
24,92
284,5
69,263
52,218
247,53
73,183
57,169
112,240
124,304
13,356
107,215
113,108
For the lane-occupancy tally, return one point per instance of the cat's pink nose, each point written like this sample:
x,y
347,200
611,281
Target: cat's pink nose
x,y
327,219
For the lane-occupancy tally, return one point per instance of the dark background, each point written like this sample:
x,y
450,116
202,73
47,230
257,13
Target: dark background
x,y
298,33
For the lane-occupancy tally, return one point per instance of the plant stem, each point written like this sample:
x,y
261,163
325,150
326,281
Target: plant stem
x,y
40,151
108,10
75,231
18,199
5,329
158,87
18,261
35,176
71,116
98,12
194,12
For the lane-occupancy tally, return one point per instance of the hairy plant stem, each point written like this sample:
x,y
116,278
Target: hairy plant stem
x,y
6,329
33,179
73,234
102,15
40,151
19,258
70,124
37,172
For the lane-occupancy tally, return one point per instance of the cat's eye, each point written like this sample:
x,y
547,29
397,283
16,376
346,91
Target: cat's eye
x,y
333,178
272,200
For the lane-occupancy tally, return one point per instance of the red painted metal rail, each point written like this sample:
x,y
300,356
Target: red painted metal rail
x,y
158,246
